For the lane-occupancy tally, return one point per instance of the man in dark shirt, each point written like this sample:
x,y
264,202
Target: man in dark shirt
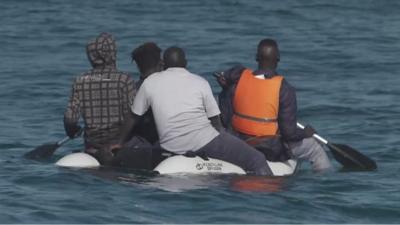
x,y
299,141
148,60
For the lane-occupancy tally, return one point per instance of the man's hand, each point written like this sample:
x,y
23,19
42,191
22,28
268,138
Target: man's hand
x,y
221,79
115,148
104,156
309,131
79,132
73,130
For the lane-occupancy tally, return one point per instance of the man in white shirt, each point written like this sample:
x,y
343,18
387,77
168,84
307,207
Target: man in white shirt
x,y
187,116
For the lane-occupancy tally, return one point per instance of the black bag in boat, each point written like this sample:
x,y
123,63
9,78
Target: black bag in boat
x,y
137,153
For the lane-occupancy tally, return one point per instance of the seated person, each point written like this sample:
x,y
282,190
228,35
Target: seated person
x,y
102,96
260,106
148,60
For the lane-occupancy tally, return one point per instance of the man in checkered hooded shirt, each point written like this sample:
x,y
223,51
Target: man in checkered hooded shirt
x,y
101,96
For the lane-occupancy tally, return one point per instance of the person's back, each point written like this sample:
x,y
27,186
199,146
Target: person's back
x,y
178,98
102,96
261,105
148,61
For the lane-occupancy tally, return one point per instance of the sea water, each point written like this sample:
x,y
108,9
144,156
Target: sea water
x,y
342,57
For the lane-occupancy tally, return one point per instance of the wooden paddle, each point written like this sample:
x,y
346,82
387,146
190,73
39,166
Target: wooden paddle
x,y
346,155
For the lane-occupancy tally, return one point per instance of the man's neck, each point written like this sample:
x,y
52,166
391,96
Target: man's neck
x,y
266,67
147,73
104,66
176,67
266,71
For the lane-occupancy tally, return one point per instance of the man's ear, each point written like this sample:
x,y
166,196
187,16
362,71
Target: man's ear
x,y
160,65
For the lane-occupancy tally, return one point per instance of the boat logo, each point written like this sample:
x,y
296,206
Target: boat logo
x,y
209,166
199,166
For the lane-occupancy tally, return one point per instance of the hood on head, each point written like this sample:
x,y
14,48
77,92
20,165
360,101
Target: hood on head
x,y
102,51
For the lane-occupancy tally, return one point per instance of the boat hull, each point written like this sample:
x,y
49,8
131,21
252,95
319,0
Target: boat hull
x,y
180,164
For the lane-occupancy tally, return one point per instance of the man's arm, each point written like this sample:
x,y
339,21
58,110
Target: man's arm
x,y
229,77
287,116
129,124
72,113
130,120
216,123
209,102
211,107
228,81
137,108
130,92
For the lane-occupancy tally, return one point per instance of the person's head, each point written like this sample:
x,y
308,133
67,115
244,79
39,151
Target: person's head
x,y
102,51
267,54
148,58
174,57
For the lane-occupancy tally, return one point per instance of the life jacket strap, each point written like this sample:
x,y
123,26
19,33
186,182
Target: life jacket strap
x,y
255,140
262,120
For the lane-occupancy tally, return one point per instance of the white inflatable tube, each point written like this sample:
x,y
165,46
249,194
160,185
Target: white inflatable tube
x,y
78,160
183,165
196,165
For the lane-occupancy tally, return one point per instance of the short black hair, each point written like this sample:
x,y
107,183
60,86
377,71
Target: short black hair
x,y
174,57
269,56
146,56
267,42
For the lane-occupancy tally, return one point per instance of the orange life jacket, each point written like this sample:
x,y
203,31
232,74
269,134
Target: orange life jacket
x,y
256,105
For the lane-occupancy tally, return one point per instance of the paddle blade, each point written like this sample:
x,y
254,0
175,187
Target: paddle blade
x,y
351,158
44,151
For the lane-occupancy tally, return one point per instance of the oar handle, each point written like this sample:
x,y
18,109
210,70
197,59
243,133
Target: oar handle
x,y
61,142
66,139
316,136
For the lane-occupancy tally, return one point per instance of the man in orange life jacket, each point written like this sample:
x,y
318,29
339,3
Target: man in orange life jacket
x,y
260,106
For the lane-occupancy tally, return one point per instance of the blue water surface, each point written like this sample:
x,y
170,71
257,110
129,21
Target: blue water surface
x,y
342,57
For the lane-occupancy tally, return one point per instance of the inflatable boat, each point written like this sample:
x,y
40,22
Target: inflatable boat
x,y
180,164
